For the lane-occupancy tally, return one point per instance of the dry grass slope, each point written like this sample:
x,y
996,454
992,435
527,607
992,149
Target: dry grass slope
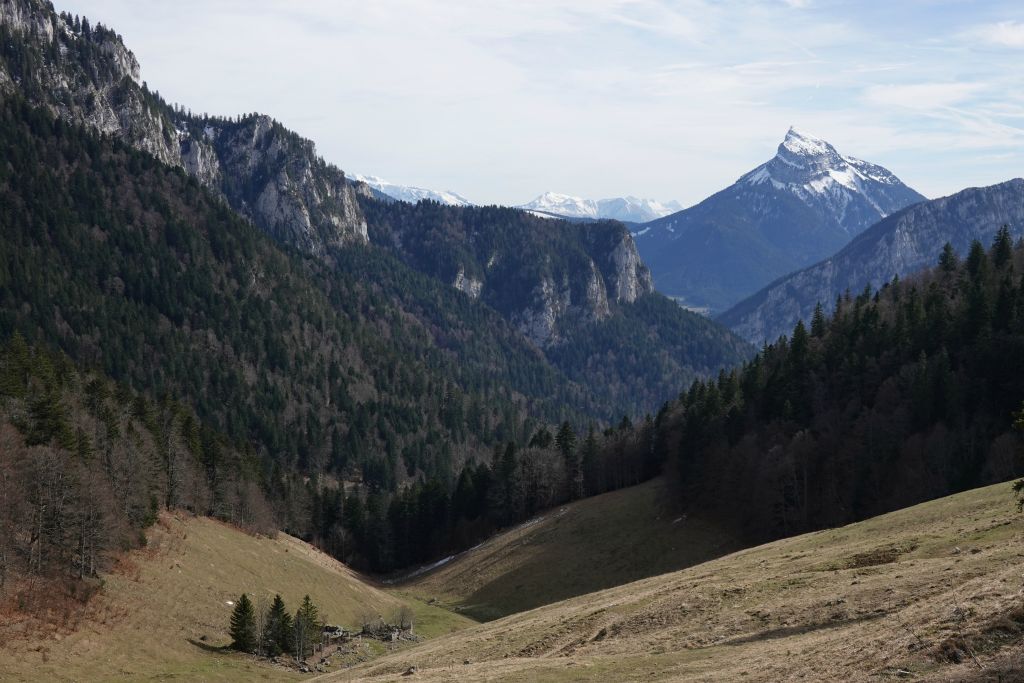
x,y
162,614
590,545
889,598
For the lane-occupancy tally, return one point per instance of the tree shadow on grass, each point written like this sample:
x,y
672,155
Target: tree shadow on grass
x,y
207,647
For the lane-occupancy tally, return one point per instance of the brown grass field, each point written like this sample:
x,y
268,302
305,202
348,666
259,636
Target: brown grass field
x,y
164,613
903,596
587,546
930,593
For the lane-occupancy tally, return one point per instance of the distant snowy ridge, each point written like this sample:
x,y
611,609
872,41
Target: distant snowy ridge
x,y
408,193
631,209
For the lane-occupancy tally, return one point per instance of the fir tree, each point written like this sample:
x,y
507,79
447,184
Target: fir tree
x,y
948,261
307,629
818,322
243,625
1002,248
277,632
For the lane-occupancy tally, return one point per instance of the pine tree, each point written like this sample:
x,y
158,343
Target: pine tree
x,y
1002,248
307,629
277,632
243,625
948,261
818,324
566,442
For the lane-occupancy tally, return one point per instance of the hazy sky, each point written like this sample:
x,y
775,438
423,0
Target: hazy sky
x,y
501,100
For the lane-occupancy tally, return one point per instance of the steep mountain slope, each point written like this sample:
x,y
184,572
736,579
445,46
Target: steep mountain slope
x,y
578,291
604,541
164,611
626,209
87,76
798,207
411,194
901,244
904,595
129,265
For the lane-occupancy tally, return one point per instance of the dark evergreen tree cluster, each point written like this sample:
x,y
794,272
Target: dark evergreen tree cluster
x,y
272,632
129,266
430,519
904,394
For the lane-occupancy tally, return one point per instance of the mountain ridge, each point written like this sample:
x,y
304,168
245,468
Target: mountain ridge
x,y
627,209
798,207
899,245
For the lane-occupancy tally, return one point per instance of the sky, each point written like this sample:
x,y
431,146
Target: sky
x,y
500,100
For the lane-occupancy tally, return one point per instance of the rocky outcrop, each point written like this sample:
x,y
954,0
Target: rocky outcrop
x,y
467,285
275,178
86,75
610,271
552,308
544,276
630,278
906,242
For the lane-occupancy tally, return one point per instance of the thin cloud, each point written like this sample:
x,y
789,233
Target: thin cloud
x,y
1003,34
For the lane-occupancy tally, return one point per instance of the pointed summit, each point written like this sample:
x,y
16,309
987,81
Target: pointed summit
x,y
804,144
798,207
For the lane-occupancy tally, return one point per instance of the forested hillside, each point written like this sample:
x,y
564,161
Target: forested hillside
x,y
577,290
129,265
903,395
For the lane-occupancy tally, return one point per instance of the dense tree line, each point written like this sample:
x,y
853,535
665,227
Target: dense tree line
x,y
430,519
903,395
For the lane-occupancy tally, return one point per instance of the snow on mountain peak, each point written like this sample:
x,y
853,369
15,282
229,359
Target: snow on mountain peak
x,y
411,194
805,144
813,170
631,209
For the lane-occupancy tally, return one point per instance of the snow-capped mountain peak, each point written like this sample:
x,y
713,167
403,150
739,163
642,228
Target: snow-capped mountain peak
x,y
801,144
814,171
630,209
798,207
411,194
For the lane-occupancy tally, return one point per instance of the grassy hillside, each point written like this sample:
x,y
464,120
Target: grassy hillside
x,y
592,544
164,612
886,598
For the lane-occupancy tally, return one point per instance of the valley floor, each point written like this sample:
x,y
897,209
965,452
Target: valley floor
x,y
901,596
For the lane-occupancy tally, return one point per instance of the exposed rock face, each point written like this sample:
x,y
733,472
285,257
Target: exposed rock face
x,y
267,173
544,276
552,308
468,285
630,277
901,244
609,271
275,178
